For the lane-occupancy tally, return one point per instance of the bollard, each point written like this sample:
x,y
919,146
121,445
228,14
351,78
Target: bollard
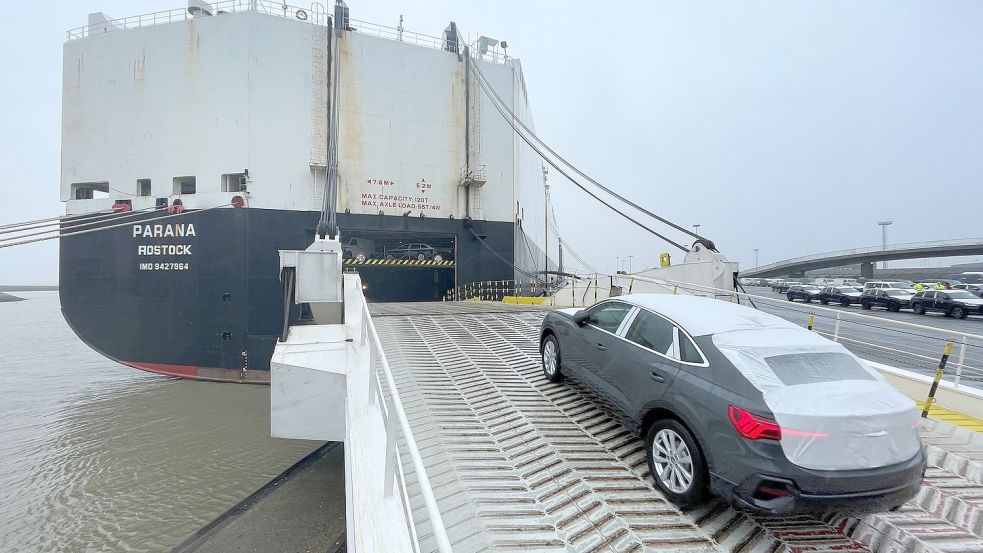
x,y
836,329
674,288
930,400
962,357
812,319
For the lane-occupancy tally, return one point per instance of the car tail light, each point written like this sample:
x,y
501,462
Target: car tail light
x,y
752,427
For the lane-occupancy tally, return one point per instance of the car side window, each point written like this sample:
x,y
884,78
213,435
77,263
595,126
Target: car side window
x,y
608,316
930,295
651,331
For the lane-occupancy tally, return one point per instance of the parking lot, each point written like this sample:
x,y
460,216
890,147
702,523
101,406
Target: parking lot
x,y
904,347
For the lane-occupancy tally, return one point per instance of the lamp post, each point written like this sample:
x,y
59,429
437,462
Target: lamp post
x,y
756,257
696,229
884,225
629,263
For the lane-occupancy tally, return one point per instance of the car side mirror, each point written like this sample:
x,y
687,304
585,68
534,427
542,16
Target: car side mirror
x,y
580,317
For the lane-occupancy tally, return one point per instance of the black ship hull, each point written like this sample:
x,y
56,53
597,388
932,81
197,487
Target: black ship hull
x,y
199,295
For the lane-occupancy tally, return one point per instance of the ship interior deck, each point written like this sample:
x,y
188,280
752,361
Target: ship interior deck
x,y
517,462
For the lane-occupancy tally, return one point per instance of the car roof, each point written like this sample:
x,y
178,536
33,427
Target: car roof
x,y
701,316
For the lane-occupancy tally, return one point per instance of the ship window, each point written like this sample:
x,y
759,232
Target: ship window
x,y
184,185
233,182
90,190
143,187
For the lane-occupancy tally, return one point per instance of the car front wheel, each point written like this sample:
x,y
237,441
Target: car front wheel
x,y
864,305
894,307
958,312
824,301
845,303
789,296
551,359
676,463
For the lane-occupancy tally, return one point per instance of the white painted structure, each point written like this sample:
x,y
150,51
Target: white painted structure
x,y
236,101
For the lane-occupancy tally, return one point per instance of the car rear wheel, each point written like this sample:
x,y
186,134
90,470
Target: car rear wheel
x,y
918,309
864,305
808,299
676,463
551,359
958,312
824,301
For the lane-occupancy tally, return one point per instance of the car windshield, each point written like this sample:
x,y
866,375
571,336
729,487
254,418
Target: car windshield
x,y
809,368
891,292
961,295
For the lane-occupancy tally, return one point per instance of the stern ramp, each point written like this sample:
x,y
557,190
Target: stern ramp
x,y
518,463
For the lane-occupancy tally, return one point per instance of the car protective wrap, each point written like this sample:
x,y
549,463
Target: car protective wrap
x,y
835,412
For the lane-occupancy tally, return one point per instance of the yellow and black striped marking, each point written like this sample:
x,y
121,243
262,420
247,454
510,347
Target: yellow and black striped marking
x,y
398,263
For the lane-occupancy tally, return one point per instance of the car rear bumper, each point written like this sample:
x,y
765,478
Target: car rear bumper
x,y
811,491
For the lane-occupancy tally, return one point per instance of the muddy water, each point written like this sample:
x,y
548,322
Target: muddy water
x,y
95,456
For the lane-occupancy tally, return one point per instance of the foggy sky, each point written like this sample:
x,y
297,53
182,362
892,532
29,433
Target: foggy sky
x,y
792,127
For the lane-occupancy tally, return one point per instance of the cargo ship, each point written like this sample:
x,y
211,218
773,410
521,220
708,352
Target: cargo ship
x,y
206,132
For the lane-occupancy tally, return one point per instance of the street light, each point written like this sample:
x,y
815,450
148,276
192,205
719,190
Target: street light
x,y
696,229
756,257
629,263
884,225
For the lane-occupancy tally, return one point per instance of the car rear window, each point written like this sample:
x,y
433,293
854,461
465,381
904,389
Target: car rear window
x,y
809,368
651,331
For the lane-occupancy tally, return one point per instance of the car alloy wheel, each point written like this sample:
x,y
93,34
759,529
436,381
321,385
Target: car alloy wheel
x,y
918,309
894,307
551,359
958,312
673,461
864,305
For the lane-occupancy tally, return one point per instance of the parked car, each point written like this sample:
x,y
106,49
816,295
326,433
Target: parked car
x,y
954,303
803,292
905,285
354,247
417,251
975,289
844,295
888,298
782,286
735,402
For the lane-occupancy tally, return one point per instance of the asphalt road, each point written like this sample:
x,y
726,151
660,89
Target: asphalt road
x,y
904,347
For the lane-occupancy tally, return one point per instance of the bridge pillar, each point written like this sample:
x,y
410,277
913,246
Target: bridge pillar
x,y
867,269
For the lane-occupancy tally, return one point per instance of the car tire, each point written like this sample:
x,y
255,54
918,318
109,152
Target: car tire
x,y
894,307
789,296
845,303
918,309
824,301
958,312
808,299
865,305
550,357
669,431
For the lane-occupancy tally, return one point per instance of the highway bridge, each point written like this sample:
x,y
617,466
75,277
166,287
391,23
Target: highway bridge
x,y
866,257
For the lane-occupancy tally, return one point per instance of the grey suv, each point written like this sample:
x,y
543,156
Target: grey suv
x,y
741,404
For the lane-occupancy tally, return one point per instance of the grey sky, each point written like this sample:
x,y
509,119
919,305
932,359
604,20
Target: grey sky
x,y
786,126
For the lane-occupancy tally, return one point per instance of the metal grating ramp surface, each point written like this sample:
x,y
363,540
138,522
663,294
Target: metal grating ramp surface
x,y
518,463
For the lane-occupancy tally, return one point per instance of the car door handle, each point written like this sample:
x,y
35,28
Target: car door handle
x,y
601,347
657,377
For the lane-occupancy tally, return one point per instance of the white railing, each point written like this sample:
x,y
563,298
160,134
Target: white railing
x,y
219,8
382,390
870,249
397,34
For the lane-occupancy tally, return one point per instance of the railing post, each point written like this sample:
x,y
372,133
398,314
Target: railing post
x,y
930,400
390,450
836,329
373,367
962,357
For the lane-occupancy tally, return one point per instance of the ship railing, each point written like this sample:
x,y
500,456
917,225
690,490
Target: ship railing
x,y
498,290
396,33
383,391
221,7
